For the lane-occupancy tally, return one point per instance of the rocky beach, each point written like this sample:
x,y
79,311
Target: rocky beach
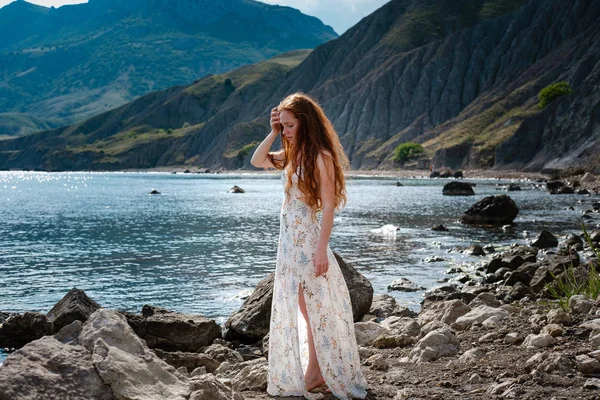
x,y
501,328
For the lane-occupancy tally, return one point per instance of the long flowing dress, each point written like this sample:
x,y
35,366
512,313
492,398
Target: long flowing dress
x,y
328,306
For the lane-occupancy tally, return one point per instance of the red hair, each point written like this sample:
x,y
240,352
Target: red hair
x,y
315,136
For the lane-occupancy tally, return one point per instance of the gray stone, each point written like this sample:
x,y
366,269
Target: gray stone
x,y
513,338
553,330
398,325
545,240
172,331
404,285
491,210
125,363
253,376
478,315
558,316
74,306
580,304
190,361
471,356
208,387
367,332
592,383
487,299
537,341
445,311
587,365
384,306
436,344
456,188
222,353
49,369
377,362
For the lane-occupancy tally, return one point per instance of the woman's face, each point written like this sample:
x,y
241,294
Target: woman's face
x,y
290,125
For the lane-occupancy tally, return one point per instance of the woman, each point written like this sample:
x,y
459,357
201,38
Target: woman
x,y
319,347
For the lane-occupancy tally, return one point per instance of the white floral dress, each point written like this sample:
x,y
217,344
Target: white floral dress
x,y
328,305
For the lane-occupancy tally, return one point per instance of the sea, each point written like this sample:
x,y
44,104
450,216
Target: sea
x,y
196,248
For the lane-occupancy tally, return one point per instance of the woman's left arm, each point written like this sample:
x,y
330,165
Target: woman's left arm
x,y
327,194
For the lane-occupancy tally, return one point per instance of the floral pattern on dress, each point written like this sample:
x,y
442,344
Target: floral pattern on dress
x,y
329,309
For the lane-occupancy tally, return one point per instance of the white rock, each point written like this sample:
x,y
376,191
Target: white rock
x,y
559,317
444,311
252,377
478,315
377,362
402,325
537,358
367,332
474,379
592,383
536,341
553,330
436,344
491,322
580,304
207,386
471,356
125,363
45,368
513,338
595,354
500,387
198,371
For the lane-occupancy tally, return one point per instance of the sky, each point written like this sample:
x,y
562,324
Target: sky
x,y
339,14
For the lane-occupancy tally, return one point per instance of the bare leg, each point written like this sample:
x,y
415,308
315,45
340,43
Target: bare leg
x,y
312,377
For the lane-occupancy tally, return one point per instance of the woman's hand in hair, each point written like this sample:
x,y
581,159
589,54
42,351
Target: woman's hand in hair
x,y
275,123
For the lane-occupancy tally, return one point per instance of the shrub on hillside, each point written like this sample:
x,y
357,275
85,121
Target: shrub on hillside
x,y
406,151
552,92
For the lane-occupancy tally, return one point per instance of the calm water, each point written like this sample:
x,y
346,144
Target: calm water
x,y
198,249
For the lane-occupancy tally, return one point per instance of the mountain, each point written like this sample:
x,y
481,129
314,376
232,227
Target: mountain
x,y
460,78
13,124
69,63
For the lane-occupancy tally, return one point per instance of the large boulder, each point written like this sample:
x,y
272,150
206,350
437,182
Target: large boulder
x,y
76,305
125,363
251,322
49,369
173,331
491,210
20,329
458,189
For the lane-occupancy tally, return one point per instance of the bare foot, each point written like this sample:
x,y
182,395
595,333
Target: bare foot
x,y
313,383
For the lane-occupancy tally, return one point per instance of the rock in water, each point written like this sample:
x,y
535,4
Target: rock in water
x,y
154,191
76,305
236,189
20,329
545,240
458,189
404,285
251,322
491,210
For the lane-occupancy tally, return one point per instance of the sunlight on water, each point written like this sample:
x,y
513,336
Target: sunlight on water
x,y
197,249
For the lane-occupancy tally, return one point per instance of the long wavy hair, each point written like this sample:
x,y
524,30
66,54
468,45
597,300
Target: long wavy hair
x,y
315,135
